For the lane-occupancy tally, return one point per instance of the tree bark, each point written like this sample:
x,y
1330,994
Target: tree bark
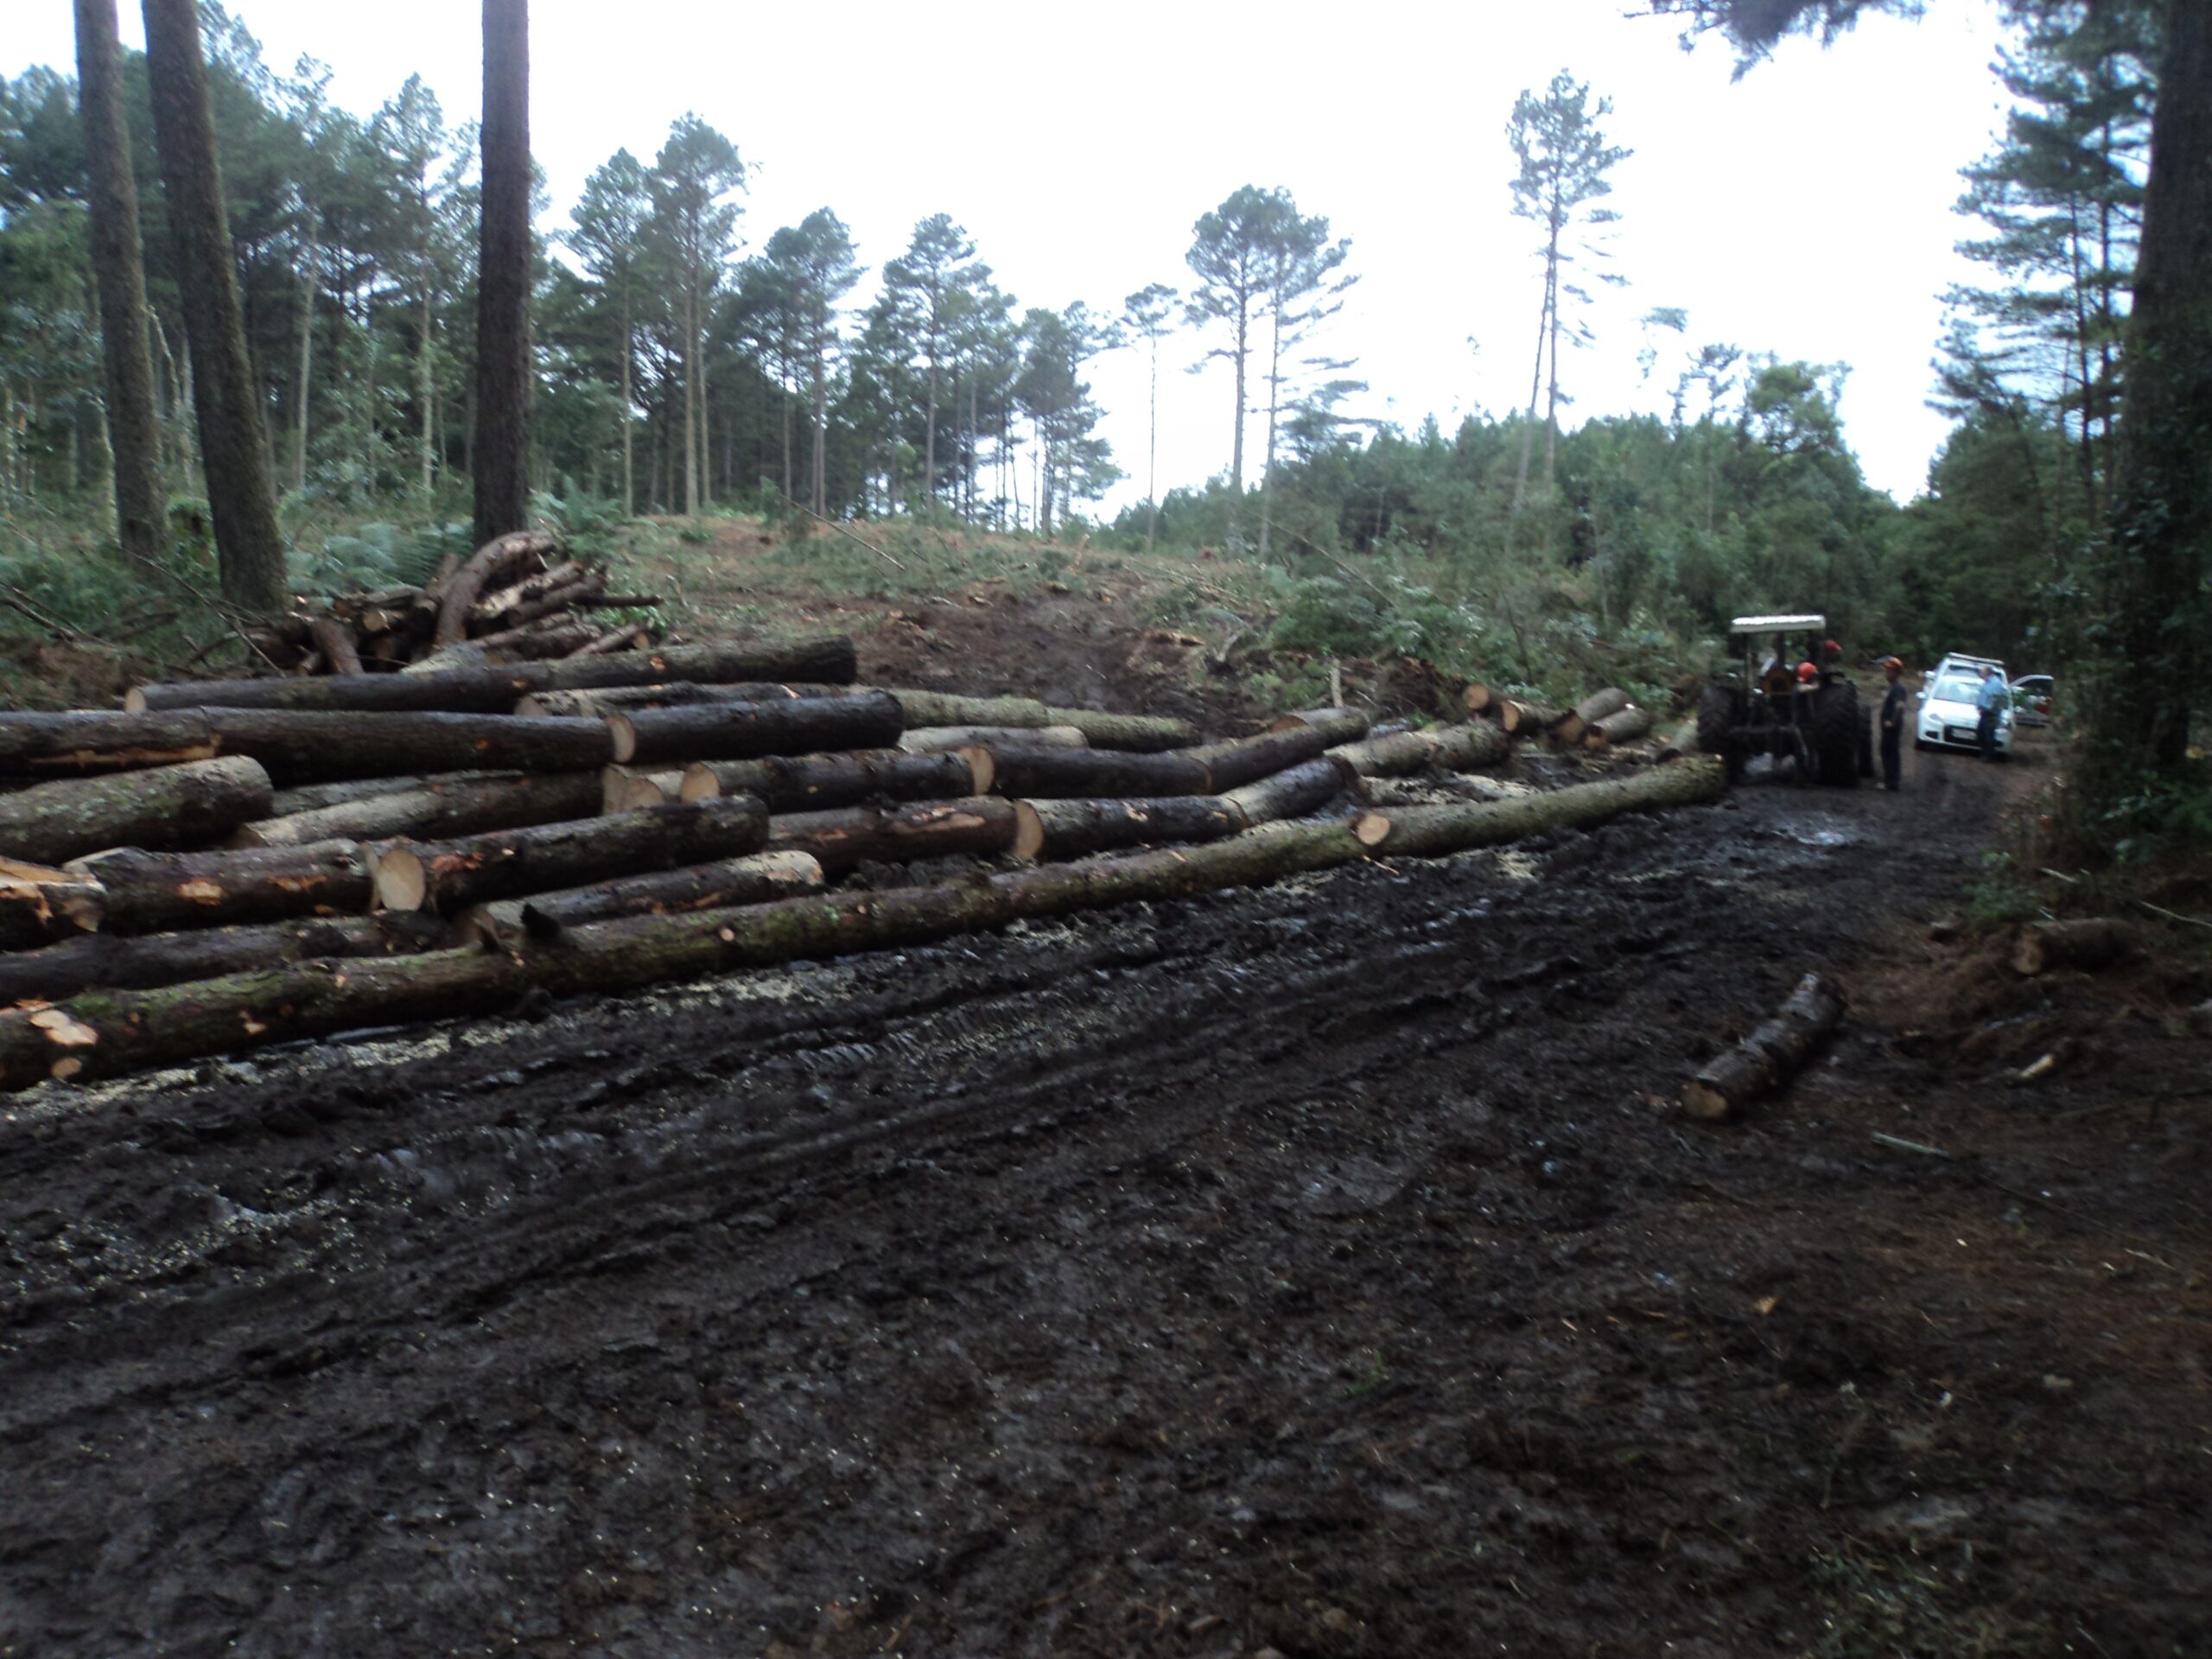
x,y
520,552
680,693
190,805
1077,829
449,876
437,807
849,836
233,447
741,731
154,893
1624,727
828,659
102,1034
1445,748
805,783
1340,725
1293,792
1526,719
1574,725
745,880
1101,730
1426,831
1770,1056
39,904
1062,774
301,747
2090,941
334,640
121,962
939,740
1230,765
119,272
501,451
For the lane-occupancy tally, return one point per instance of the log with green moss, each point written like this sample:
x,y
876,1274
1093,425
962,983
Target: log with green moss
x,y
743,731
1102,729
436,809
816,783
1443,749
159,892
194,804
127,962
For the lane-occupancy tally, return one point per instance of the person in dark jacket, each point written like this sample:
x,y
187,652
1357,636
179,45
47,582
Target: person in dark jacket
x,y
1893,724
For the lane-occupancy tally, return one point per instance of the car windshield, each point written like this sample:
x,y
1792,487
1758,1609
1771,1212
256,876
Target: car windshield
x,y
1957,688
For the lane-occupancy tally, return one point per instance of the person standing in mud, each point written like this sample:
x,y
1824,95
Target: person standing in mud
x,y
1893,725
1986,700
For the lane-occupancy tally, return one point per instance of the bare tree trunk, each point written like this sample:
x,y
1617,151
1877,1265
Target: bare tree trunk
x,y
1536,375
134,438
1152,457
503,377
303,385
1267,466
250,549
821,427
629,352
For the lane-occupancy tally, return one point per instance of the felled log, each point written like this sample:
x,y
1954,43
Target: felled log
x,y
1479,699
157,893
1077,829
976,825
941,740
745,880
1460,748
1624,727
1139,733
1338,725
1134,733
1570,729
438,808
301,747
39,904
2088,942
1427,831
810,783
743,731
309,797
1770,1056
449,876
829,659
1293,792
469,657
108,1033
1525,718
491,563
1233,765
1058,774
334,640
135,962
625,789
562,584
606,701
187,805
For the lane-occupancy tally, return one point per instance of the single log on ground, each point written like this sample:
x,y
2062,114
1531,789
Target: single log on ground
x,y
438,808
156,892
1624,727
1339,725
829,659
978,824
308,798
625,789
120,962
1525,718
523,552
1770,1056
1292,794
108,1033
1445,748
745,880
1572,726
2090,942
334,640
39,905
1427,831
1245,760
187,806
742,731
1075,829
449,876
1140,733
941,739
923,708
1136,733
606,701
1061,774
811,783
301,747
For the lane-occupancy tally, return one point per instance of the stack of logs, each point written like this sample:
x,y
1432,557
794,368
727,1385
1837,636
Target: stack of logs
x,y
518,599
1603,720
226,863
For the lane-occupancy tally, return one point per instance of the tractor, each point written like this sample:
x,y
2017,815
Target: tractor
x,y
1764,704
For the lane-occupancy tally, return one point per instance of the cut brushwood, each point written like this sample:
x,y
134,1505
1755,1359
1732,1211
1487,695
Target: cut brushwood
x,y
980,825
741,731
449,876
1766,1060
2090,943
745,880
108,1033
157,893
187,806
524,552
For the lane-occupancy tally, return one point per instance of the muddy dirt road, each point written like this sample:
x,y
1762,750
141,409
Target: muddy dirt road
x,y
1318,1268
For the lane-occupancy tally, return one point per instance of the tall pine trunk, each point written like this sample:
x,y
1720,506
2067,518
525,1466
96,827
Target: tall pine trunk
x,y
303,383
1152,456
134,436
425,390
821,418
501,452
1546,330
250,551
629,424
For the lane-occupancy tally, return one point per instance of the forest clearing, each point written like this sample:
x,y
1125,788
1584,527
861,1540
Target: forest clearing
x,y
685,969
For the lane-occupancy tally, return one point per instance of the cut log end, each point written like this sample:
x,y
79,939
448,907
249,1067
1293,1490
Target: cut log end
x,y
1702,1100
982,767
1028,830
1371,829
699,783
623,734
402,882
134,700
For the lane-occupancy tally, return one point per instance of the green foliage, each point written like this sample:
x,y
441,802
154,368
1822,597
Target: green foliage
x,y
2001,895
377,555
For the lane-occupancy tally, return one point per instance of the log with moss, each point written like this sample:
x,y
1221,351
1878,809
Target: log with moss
x,y
1029,774
158,892
1569,728
814,782
1339,725
744,731
137,961
1423,831
829,659
941,739
1077,829
449,876
978,826
1141,734
1232,765
438,808
109,1034
1767,1059
39,904
747,879
1622,726
607,700
192,805
1462,748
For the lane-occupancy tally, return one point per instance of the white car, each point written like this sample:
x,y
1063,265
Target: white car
x,y
1950,711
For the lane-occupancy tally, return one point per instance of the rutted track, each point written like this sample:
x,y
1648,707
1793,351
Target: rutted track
x,y
958,1300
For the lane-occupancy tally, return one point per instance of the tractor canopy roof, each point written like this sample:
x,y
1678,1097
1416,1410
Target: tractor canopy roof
x,y
1811,619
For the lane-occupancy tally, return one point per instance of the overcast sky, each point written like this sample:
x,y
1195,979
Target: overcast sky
x,y
1804,210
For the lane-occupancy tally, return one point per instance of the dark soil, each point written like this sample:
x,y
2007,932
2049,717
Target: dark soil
x,y
1322,1268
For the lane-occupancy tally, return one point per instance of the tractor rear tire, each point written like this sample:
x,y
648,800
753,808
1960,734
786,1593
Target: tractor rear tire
x,y
1866,746
1836,734
1718,716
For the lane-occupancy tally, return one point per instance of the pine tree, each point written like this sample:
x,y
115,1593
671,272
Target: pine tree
x,y
1149,314
1231,253
695,226
609,220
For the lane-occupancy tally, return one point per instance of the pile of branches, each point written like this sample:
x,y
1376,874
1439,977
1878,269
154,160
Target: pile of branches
x,y
519,598
227,863
1605,720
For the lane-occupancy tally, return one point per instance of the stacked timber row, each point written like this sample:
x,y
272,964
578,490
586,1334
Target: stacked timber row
x,y
517,598
1605,720
226,863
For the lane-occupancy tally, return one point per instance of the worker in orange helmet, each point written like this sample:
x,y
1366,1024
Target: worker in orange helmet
x,y
1807,674
1893,723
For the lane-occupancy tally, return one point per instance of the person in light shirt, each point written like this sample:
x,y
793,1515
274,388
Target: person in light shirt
x,y
1988,699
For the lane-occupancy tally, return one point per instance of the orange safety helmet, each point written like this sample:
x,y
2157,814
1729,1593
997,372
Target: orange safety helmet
x,y
1807,673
